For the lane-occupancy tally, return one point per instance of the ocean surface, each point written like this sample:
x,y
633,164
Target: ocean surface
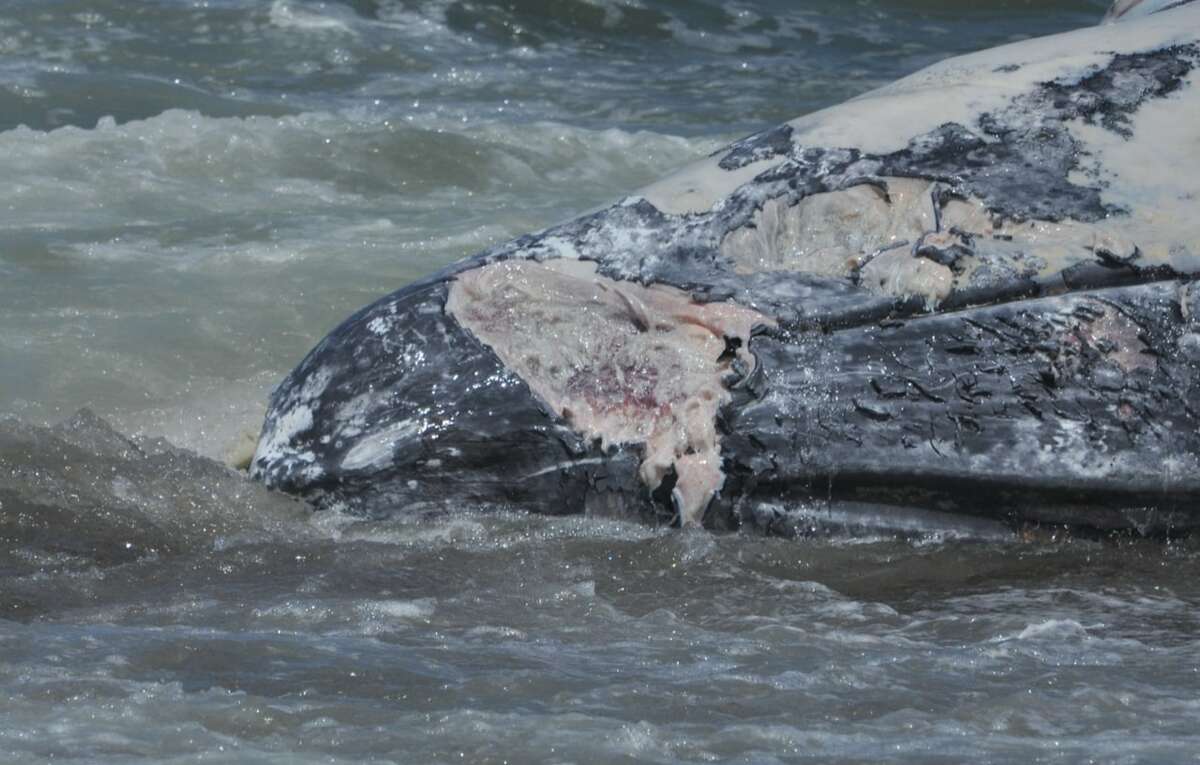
x,y
193,193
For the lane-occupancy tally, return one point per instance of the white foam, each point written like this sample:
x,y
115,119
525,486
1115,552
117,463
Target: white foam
x,y
287,15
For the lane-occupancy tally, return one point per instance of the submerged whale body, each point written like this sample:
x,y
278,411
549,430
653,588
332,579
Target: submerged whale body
x,y
961,301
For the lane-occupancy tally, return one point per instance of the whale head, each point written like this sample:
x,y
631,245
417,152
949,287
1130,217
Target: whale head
x,y
538,384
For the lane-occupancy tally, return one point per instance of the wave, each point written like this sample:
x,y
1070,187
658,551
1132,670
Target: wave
x,y
81,494
682,67
184,166
167,271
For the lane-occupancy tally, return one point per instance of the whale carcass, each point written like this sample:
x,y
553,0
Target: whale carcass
x,y
961,301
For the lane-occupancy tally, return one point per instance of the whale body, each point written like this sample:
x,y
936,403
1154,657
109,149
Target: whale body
x,y
962,301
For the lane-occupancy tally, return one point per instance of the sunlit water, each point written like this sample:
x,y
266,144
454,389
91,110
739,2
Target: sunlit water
x,y
193,193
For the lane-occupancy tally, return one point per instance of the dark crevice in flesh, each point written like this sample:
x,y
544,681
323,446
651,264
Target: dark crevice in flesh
x,y
766,144
665,512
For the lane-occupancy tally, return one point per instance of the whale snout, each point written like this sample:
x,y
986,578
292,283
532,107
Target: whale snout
x,y
543,385
400,410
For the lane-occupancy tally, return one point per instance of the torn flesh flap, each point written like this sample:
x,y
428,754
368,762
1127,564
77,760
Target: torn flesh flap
x,y
620,362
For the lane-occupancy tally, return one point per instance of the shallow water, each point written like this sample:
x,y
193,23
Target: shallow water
x,y
196,192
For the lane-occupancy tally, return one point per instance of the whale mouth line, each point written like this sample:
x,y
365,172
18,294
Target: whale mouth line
x,y
620,362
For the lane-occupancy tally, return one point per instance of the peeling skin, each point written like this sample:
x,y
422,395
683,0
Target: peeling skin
x,y
901,236
870,230
900,273
622,363
825,233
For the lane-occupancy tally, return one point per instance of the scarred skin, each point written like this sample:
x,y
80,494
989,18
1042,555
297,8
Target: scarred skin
x,y
970,312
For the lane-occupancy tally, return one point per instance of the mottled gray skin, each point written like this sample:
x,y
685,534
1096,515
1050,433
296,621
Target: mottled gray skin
x,y
1015,403
486,429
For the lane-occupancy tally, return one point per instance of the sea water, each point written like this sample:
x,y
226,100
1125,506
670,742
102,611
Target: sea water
x,y
193,193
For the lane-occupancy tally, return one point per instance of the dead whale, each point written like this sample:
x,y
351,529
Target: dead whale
x,y
963,301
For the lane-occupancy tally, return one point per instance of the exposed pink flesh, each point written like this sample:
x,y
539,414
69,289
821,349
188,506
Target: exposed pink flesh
x,y
622,363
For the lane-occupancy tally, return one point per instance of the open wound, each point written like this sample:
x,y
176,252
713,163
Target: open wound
x,y
622,363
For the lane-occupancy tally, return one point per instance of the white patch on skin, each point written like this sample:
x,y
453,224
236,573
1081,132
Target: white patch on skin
x,y
556,246
413,356
352,415
380,325
312,472
563,466
622,363
297,418
375,451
